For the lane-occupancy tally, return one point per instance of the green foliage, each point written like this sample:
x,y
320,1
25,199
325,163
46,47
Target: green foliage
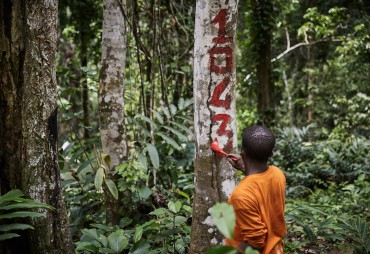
x,y
168,134
319,221
306,168
166,232
224,217
14,206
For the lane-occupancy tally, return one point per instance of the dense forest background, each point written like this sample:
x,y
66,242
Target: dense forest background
x,y
303,70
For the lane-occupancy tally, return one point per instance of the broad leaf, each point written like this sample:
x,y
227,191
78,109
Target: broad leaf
x,y
183,127
173,109
112,188
106,158
99,177
143,160
117,241
153,155
158,116
92,233
174,207
177,133
169,140
224,217
159,211
146,119
138,233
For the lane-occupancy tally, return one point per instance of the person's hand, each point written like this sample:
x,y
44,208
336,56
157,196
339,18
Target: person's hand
x,y
236,161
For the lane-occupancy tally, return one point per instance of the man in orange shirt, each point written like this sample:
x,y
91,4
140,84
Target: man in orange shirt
x,y
259,198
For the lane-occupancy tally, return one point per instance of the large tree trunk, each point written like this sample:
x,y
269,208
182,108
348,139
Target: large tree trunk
x,y
261,33
111,102
28,120
215,114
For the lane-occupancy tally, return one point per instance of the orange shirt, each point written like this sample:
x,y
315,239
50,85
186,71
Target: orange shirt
x,y
259,202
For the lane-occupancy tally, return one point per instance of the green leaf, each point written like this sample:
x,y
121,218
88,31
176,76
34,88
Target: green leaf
x,y
106,159
169,140
332,236
153,155
117,241
85,164
309,233
99,177
26,205
250,250
173,109
182,194
112,188
143,248
158,116
143,161
106,250
15,226
20,215
174,207
177,133
222,249
224,217
187,208
181,103
166,111
11,195
146,119
159,211
138,234
92,233
6,236
144,193
183,127
103,240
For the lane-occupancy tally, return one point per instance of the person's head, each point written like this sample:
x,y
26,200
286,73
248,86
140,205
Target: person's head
x,y
258,143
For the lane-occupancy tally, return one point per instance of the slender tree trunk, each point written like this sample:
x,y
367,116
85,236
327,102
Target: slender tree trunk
x,y
111,100
85,91
28,120
310,65
215,114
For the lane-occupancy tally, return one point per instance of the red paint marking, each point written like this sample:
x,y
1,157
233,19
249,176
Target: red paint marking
x,y
220,19
225,118
228,52
219,89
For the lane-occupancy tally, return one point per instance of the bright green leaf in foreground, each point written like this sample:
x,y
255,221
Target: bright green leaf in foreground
x,y
224,217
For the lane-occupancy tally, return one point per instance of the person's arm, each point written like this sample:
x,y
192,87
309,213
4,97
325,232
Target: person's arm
x,y
236,161
242,247
252,228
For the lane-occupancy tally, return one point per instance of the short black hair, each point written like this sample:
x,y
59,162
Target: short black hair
x,y
258,143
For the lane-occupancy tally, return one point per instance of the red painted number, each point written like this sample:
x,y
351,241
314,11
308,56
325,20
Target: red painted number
x,y
220,19
219,89
228,53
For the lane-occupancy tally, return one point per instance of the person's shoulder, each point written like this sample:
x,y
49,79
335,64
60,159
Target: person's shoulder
x,y
276,170
244,190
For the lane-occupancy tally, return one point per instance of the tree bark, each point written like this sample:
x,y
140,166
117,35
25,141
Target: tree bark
x,y
28,120
111,100
214,116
